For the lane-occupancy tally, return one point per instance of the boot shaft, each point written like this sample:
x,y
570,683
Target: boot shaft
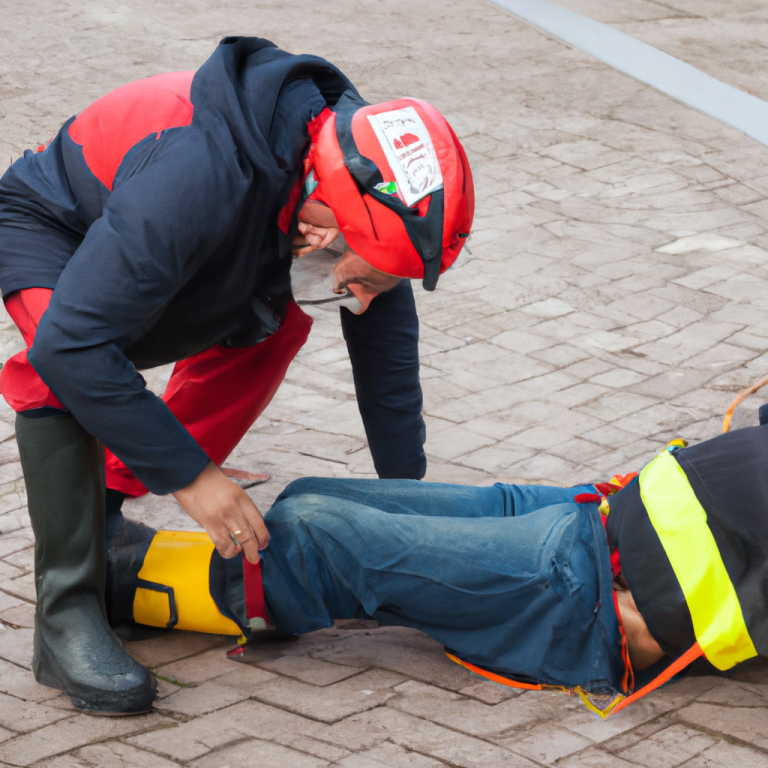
x,y
74,648
63,470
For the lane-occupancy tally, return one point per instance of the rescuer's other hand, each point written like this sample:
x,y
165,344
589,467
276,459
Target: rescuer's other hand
x,y
213,501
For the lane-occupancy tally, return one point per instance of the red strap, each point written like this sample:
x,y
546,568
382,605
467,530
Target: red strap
x,y
254,591
615,563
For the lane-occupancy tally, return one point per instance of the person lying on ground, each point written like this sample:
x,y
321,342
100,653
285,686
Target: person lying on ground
x,y
520,583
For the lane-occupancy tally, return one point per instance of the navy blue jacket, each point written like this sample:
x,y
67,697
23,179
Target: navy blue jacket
x,y
168,243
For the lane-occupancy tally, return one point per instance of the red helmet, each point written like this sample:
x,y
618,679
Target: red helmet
x,y
399,183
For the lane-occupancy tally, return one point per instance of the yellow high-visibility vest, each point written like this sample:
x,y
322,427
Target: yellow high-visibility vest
x,y
681,525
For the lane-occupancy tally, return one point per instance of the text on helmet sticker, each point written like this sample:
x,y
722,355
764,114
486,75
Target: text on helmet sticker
x,y
409,152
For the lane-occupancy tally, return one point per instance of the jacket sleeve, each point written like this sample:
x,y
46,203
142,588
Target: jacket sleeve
x,y
383,346
158,227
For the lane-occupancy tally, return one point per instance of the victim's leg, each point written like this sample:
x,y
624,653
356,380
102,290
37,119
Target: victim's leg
x,y
405,497
520,593
414,497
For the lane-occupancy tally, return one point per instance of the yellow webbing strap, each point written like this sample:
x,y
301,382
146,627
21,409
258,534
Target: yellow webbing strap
x,y
587,702
178,565
681,524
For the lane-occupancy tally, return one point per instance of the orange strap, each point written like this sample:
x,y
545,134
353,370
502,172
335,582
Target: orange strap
x,y
676,666
742,396
628,680
492,676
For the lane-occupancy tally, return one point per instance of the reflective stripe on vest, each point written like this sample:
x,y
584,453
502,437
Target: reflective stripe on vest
x,y
681,524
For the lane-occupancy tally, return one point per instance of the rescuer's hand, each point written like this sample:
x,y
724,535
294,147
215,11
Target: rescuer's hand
x,y
317,237
213,501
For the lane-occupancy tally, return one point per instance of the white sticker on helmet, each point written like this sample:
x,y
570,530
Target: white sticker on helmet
x,y
409,152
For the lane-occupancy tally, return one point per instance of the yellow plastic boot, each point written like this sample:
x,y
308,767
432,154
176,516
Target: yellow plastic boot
x,y
173,587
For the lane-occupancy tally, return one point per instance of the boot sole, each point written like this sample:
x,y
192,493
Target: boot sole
x,y
44,677
86,710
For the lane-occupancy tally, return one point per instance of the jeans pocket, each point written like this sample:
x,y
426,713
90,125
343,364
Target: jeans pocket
x,y
564,536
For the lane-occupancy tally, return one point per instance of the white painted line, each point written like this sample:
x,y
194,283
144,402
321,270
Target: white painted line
x,y
649,65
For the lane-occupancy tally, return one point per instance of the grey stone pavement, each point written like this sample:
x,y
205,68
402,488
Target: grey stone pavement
x,y
616,296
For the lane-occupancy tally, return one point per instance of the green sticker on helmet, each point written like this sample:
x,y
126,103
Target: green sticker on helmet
x,y
387,187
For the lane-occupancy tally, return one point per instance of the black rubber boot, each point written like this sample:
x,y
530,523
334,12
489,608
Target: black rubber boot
x,y
74,648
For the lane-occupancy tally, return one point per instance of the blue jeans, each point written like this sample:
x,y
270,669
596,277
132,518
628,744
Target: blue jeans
x,y
515,579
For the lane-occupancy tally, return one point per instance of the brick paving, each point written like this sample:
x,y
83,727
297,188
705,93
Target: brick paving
x,y
615,297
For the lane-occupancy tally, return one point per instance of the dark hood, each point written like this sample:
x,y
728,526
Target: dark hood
x,y
240,85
